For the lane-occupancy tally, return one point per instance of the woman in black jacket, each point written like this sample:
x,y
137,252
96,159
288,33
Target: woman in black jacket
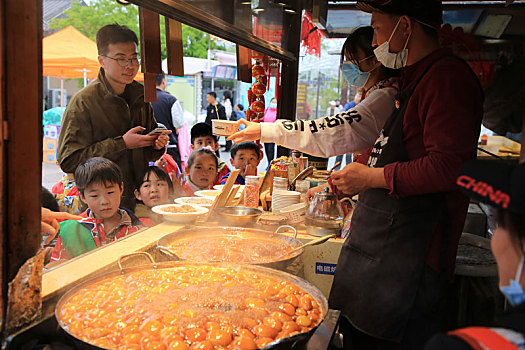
x,y
502,186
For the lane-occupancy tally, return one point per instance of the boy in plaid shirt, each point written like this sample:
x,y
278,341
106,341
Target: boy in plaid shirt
x,y
100,185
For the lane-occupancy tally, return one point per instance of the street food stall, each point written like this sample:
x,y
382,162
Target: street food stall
x,y
267,35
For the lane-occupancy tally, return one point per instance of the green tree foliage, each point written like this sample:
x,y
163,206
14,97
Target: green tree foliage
x,y
88,19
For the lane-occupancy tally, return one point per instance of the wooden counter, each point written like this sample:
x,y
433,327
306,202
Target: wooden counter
x,y
494,145
318,262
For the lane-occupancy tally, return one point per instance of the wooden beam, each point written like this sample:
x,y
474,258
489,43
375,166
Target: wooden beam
x,y
184,12
287,99
3,171
22,110
150,90
522,152
244,64
149,23
174,47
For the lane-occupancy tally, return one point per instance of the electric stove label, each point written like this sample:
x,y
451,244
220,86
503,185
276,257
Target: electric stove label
x,y
325,268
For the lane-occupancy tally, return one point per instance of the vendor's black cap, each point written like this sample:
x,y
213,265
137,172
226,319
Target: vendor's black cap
x,y
429,12
498,184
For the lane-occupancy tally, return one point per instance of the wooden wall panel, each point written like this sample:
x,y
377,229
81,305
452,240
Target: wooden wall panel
x,y
20,136
174,47
3,172
150,51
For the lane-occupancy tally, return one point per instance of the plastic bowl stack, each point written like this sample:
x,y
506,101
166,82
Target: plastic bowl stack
x,y
282,199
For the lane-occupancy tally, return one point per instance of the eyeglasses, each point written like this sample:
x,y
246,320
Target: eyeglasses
x,y
123,62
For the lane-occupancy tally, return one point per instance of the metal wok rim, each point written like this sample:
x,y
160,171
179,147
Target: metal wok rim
x,y
185,232
301,283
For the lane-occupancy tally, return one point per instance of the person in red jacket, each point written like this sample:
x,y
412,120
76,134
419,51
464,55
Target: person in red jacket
x,y
391,277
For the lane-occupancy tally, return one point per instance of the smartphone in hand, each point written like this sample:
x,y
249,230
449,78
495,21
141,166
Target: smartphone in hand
x,y
158,131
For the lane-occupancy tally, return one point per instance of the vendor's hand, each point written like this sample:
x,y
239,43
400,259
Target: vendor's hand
x,y
178,185
251,133
133,139
356,177
162,141
312,191
49,223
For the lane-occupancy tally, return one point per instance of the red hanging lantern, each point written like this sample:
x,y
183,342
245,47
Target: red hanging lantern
x,y
258,89
258,71
257,106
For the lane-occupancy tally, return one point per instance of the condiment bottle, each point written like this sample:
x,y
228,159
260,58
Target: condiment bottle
x,y
251,191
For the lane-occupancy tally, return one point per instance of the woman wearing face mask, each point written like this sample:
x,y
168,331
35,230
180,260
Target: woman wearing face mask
x,y
358,127
508,247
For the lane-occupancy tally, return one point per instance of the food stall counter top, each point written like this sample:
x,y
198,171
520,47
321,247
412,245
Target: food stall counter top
x,y
58,280
500,146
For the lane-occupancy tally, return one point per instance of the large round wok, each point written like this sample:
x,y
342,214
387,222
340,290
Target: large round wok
x,y
297,341
279,262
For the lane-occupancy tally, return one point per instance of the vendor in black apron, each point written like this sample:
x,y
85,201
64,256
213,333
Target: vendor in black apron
x,y
392,275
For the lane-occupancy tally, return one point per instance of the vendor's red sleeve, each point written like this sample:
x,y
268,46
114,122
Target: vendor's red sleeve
x,y
440,132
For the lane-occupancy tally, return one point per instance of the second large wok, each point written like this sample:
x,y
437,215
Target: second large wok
x,y
208,234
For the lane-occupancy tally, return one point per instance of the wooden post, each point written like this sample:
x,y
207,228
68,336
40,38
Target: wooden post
x,y
174,47
522,154
289,73
3,171
150,51
244,64
21,135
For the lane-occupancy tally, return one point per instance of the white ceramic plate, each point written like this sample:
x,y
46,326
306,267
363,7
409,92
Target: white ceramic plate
x,y
180,218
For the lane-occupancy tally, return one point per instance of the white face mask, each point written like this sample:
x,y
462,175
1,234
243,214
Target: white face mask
x,y
393,60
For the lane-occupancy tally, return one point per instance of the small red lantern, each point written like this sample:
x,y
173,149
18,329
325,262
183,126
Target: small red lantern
x,y
258,88
257,71
257,106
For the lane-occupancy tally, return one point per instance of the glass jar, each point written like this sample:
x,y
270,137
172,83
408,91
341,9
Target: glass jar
x,y
251,191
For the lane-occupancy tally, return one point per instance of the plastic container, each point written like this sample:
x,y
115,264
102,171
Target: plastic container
x,y
251,192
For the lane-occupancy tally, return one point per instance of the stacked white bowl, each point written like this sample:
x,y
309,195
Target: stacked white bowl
x,y
282,199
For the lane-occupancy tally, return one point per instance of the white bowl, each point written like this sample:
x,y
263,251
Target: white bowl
x,y
224,127
200,201
208,193
180,218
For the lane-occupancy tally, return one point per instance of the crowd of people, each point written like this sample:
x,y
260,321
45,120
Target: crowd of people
x,y
122,157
